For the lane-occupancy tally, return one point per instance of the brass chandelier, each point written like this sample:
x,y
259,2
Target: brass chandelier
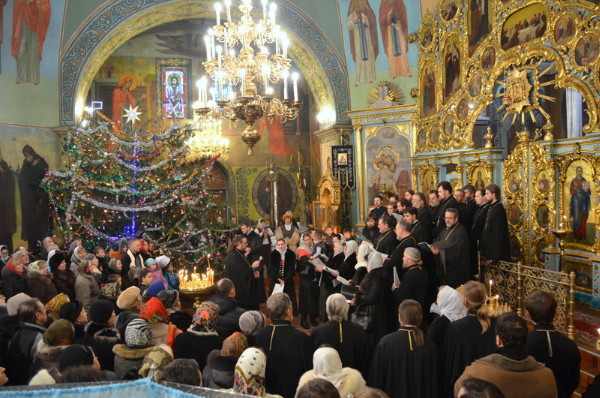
x,y
245,82
207,140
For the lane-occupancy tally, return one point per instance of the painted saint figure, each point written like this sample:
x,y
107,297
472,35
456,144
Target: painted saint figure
x,y
174,98
8,220
364,46
393,21
34,200
30,24
580,204
452,69
121,97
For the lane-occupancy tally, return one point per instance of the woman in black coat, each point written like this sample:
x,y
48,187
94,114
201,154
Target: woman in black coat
x,y
375,292
63,277
282,266
309,290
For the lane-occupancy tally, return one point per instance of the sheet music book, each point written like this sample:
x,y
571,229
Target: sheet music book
x,y
278,288
342,280
440,244
396,277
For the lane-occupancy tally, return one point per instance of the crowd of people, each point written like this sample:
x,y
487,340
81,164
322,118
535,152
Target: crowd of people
x,y
392,311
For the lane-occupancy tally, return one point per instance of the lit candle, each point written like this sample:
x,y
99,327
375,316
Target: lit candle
x,y
284,44
207,45
228,8
218,12
264,4
208,260
277,29
272,11
491,283
225,38
219,50
285,76
295,79
243,78
211,34
266,71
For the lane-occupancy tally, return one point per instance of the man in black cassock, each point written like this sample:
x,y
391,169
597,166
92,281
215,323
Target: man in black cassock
x,y
348,338
434,207
559,353
417,229
494,237
477,228
8,220
447,201
387,242
34,200
424,215
242,273
379,210
469,207
453,260
395,261
253,251
288,350
402,368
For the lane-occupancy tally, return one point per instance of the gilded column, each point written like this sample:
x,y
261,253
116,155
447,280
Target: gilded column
x,y
360,171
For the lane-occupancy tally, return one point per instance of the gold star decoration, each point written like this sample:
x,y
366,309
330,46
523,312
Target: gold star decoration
x,y
132,114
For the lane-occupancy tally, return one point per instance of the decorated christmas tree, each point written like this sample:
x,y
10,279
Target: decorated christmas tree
x,y
134,182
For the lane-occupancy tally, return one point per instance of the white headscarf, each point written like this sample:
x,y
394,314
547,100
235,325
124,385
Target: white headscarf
x,y
374,261
363,250
350,248
282,252
328,365
449,303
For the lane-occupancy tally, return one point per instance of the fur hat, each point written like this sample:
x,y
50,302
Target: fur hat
x,y
56,260
71,310
56,303
101,311
111,291
234,345
138,334
168,297
60,332
36,266
163,261
13,303
155,288
75,355
251,322
129,298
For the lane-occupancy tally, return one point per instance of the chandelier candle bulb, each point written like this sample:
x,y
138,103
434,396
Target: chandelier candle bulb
x,y
264,4
218,12
491,283
272,11
207,45
285,91
295,79
219,50
228,9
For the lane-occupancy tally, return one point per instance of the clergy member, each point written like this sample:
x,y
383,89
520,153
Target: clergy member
x,y
379,210
417,229
447,201
453,261
242,273
424,216
477,229
469,208
494,238
386,243
404,363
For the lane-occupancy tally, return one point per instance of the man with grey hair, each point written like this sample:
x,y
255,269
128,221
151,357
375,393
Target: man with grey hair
x,y
403,229
289,350
348,338
415,280
133,262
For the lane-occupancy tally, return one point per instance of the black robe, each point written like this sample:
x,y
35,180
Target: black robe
x,y
255,245
379,211
8,218
352,344
433,210
401,368
440,223
326,283
413,286
465,343
475,235
420,233
560,354
468,212
347,268
494,238
308,292
386,243
377,295
370,234
238,269
289,269
424,216
395,260
289,354
34,201
453,263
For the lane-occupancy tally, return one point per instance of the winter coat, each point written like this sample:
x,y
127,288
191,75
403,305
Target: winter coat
x,y
524,379
128,361
41,287
13,283
47,356
87,290
230,311
22,350
65,283
195,344
219,370
9,325
102,339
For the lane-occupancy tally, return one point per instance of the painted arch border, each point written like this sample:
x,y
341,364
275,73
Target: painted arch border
x,y
116,22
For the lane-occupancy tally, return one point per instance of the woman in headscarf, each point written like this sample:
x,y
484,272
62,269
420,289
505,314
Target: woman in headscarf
x,y
450,307
289,232
347,267
87,288
201,337
309,291
249,376
220,364
328,283
375,293
282,266
63,277
155,312
360,269
327,365
76,258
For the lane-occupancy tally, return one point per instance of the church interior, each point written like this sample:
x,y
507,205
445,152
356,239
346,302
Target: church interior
x,y
345,101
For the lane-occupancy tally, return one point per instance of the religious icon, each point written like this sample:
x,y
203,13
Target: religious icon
x,y
462,110
393,21
539,247
364,45
587,49
518,89
579,201
514,183
565,29
434,135
479,183
122,96
422,138
542,216
427,37
514,214
543,182
448,125
488,59
428,182
452,71
174,96
515,247
528,23
342,159
479,20
475,85
30,25
428,90
449,10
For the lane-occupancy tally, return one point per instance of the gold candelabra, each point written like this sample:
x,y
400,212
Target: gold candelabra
x,y
561,233
195,283
207,140
238,76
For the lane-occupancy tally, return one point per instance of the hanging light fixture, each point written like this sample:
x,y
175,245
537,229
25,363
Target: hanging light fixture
x,y
207,140
245,73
